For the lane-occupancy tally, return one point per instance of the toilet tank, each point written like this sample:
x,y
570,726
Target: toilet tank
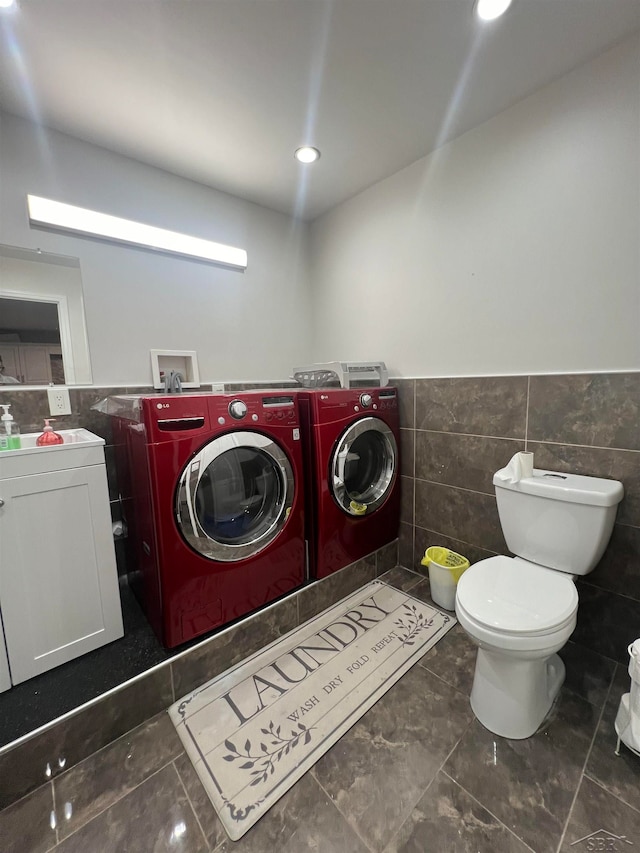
x,y
562,521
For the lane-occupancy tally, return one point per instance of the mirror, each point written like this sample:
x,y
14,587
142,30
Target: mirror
x,y
43,334
30,352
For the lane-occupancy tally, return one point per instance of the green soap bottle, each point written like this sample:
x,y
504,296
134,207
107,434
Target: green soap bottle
x,y
9,430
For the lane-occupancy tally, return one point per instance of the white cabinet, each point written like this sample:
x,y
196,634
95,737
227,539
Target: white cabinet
x,y
30,364
59,592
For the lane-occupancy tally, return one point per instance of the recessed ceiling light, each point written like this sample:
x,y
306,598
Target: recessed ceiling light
x,y
5,4
307,154
488,10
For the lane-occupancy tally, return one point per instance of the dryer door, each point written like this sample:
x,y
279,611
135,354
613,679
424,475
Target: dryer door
x,y
363,467
234,496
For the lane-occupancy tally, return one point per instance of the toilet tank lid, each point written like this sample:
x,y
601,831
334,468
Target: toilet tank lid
x,y
573,488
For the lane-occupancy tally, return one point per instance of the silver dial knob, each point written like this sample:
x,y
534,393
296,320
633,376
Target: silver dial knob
x,y
366,400
237,409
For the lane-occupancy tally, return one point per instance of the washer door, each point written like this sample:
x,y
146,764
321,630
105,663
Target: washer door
x,y
363,467
234,496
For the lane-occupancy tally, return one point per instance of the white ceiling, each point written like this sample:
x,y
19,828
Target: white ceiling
x,y
223,91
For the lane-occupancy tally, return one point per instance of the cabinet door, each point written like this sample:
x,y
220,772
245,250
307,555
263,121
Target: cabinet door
x,y
36,367
58,580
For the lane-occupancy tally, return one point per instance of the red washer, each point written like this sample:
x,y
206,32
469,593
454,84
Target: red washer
x,y
352,438
213,500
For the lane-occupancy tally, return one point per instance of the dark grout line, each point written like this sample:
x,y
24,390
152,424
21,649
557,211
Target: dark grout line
x,y
526,414
335,804
599,654
584,766
603,787
528,440
457,539
585,446
415,400
186,793
116,801
399,830
173,687
519,439
435,775
459,488
53,801
106,746
611,592
495,817
627,524
443,680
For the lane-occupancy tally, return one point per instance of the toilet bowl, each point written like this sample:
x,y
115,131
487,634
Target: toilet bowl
x,y
521,610
519,615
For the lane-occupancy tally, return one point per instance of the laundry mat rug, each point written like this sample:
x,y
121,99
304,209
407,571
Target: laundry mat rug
x,y
255,730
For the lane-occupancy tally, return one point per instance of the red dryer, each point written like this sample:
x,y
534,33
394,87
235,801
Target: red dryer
x,y
212,496
353,474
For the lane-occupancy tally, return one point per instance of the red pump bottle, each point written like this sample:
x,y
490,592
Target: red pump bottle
x,y
48,437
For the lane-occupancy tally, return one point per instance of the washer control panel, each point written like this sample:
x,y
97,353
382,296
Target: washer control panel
x,y
172,416
279,409
255,408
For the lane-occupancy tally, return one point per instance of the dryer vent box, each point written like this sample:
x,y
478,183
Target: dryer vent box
x,y
183,361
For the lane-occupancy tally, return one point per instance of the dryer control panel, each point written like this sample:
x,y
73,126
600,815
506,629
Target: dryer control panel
x,y
253,408
334,403
173,416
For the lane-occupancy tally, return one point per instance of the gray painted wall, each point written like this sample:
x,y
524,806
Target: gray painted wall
x,y
513,249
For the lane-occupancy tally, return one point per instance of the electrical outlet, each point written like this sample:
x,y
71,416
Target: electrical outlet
x,y
59,402
217,387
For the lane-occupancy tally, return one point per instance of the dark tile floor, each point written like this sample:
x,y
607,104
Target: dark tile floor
x,y
416,773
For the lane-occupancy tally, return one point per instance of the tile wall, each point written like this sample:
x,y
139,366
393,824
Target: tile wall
x,y
455,433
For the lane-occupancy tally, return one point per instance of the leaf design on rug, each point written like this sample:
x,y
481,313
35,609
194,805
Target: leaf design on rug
x,y
263,763
415,622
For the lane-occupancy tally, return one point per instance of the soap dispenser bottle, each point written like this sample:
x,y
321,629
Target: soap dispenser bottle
x,y
48,437
9,430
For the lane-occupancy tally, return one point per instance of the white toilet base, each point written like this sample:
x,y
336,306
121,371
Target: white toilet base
x,y
512,696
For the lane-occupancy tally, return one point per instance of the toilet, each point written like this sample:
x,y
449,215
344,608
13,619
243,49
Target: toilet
x,y
521,610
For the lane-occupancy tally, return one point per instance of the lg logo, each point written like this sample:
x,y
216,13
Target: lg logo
x,y
162,405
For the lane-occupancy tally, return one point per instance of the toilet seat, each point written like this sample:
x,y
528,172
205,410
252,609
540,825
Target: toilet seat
x,y
513,603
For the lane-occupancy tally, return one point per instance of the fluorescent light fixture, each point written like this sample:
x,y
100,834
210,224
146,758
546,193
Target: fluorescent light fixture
x,y
489,10
67,217
307,154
